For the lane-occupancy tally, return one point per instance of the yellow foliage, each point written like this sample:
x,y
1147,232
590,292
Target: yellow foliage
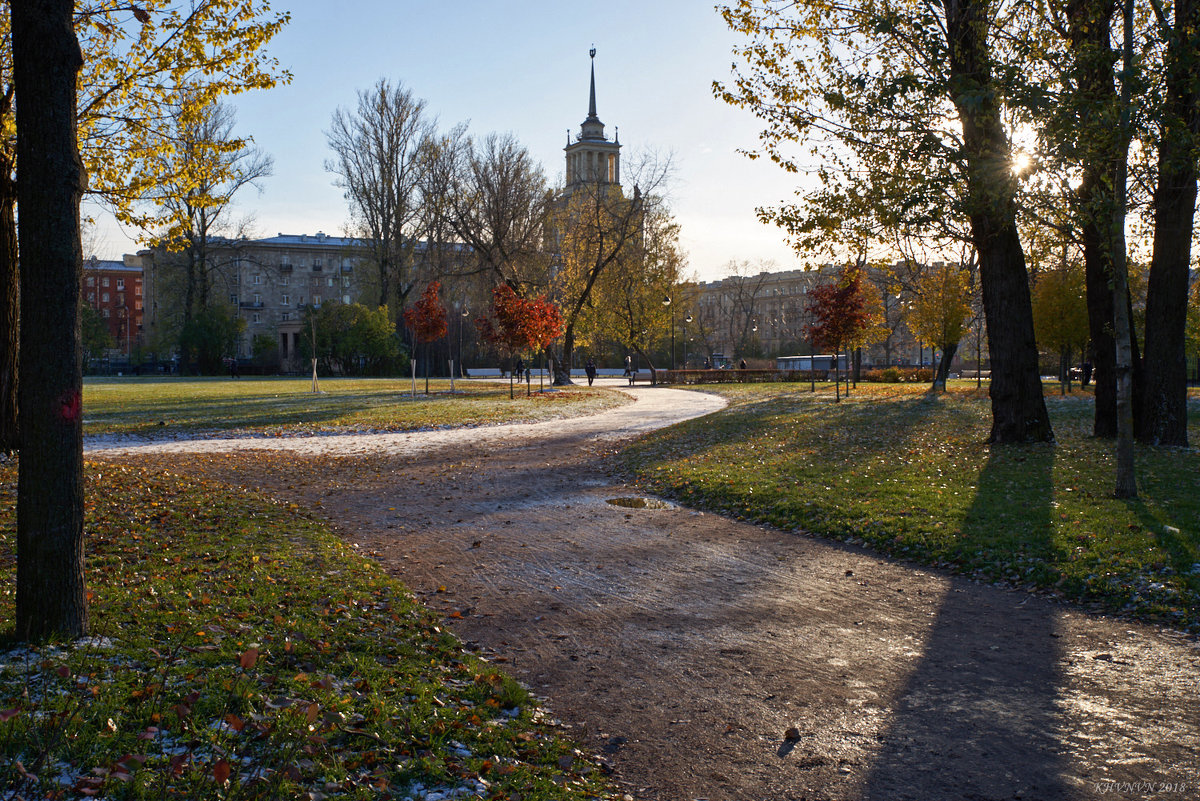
x,y
941,306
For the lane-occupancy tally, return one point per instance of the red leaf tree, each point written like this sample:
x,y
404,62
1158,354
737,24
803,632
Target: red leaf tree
x,y
840,316
427,321
518,324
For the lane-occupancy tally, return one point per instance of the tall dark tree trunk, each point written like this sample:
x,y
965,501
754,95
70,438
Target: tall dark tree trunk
x,y
1018,406
1163,412
943,369
46,62
10,310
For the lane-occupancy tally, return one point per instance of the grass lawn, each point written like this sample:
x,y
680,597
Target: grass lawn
x,y
286,406
909,474
240,650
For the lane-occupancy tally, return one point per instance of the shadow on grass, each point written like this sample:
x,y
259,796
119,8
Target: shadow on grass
x,y
983,694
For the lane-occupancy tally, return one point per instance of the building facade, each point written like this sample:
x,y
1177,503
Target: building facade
x,y
114,289
267,282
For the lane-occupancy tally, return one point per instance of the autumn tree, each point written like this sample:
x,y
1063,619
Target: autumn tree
x,y
204,165
1060,313
379,160
142,60
1164,392
840,316
940,311
516,324
866,83
629,293
597,228
427,321
46,60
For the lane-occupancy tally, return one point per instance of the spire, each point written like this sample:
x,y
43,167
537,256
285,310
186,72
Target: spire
x,y
592,97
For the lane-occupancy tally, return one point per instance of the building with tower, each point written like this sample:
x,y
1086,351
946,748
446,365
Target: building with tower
x,y
592,158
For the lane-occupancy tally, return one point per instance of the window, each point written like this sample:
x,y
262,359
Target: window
x,y
346,281
104,298
120,283
316,265
106,313
104,281
137,304
120,298
257,278
91,280
300,301
257,299
233,299
91,297
285,316
329,281
285,281
287,300
316,280
257,317
316,300
346,299
137,290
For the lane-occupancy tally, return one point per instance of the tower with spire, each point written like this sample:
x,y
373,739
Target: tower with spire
x,y
592,158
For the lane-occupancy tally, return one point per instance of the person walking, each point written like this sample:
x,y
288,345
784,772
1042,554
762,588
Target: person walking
x,y
590,369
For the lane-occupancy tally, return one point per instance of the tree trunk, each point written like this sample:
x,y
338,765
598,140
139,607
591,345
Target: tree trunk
x,y
562,371
1126,481
50,583
943,368
10,310
1163,411
1018,406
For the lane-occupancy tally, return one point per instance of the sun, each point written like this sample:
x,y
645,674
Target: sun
x,y
1022,163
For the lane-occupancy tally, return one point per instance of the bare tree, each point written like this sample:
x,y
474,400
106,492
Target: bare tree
x,y
499,204
379,161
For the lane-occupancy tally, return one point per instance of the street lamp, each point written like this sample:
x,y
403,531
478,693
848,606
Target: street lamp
x,y
465,314
667,302
686,321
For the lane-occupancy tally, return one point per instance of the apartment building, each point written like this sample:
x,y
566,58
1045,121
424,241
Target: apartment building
x,y
268,281
114,289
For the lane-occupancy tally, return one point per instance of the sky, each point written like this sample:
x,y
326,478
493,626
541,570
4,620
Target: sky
x,y
520,67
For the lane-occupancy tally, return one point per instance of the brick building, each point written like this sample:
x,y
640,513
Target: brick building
x,y
114,289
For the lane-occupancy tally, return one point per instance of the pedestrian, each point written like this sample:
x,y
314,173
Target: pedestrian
x,y
742,364
707,364
590,369
628,365
519,370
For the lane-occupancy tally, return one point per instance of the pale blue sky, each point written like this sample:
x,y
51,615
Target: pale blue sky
x,y
520,67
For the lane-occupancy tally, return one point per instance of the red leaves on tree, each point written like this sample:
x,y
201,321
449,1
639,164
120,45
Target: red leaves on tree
x,y
839,312
517,323
427,318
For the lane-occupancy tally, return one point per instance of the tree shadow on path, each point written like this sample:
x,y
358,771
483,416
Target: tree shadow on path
x,y
984,692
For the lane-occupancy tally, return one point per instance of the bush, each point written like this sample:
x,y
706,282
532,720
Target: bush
x,y
899,375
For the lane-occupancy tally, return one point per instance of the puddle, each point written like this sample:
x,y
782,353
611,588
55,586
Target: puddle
x,y
640,503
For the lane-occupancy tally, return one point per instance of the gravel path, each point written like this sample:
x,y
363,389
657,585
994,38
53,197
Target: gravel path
x,y
710,659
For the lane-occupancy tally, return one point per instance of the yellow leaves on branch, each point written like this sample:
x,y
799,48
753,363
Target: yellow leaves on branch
x,y
146,61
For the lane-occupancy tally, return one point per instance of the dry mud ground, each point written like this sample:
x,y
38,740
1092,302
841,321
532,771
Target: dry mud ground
x,y
683,646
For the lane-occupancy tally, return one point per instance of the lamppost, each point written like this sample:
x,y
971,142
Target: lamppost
x,y
686,320
667,302
465,314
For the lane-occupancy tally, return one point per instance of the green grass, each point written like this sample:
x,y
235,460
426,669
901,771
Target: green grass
x,y
150,406
909,473
242,651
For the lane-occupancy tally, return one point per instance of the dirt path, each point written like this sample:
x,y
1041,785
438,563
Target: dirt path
x,y
683,646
